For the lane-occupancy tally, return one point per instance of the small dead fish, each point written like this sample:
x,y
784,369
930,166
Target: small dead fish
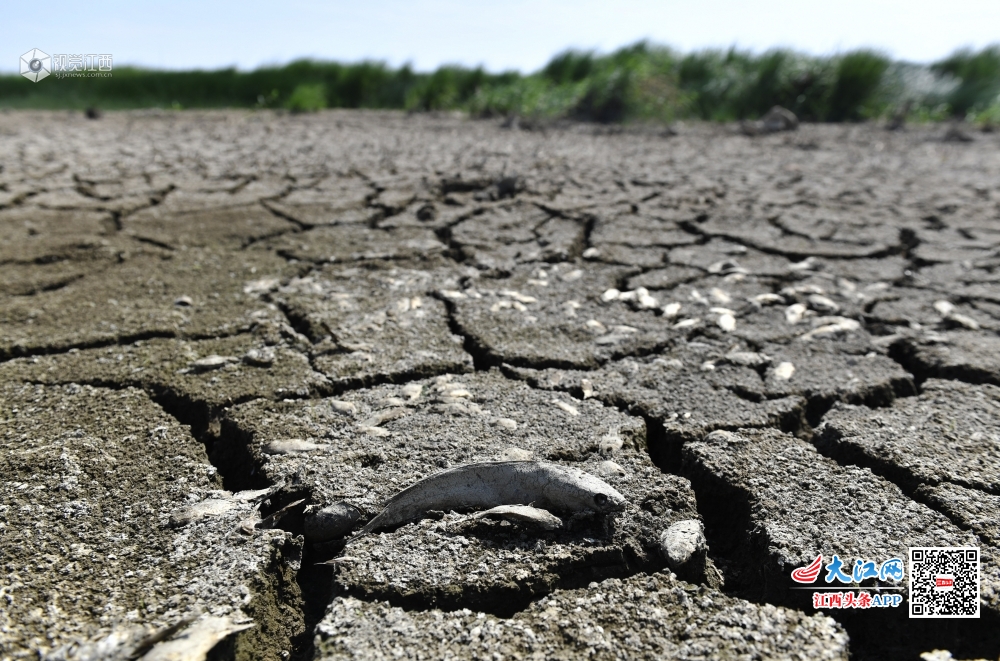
x,y
487,485
205,509
196,641
523,514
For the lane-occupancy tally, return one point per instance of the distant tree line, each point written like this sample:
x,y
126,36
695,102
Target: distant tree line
x,y
642,82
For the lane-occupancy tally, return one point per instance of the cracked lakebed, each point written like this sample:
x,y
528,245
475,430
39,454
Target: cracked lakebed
x,y
214,324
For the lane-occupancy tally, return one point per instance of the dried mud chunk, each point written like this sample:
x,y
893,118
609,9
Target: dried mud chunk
x,y
375,325
946,434
639,231
165,366
964,355
31,234
828,372
350,243
135,299
678,392
654,616
849,241
333,202
93,480
227,226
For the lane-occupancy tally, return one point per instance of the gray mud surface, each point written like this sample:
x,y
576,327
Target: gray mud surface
x,y
227,339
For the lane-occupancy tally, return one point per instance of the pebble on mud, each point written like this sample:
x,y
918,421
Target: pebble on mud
x,y
681,541
331,522
212,362
259,357
784,371
342,407
292,446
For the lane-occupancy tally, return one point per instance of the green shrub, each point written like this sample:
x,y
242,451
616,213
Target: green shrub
x,y
858,77
307,98
979,74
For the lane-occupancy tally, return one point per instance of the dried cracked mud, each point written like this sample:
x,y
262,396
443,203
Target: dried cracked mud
x,y
228,338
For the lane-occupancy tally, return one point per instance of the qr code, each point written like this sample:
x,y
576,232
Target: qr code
x,y
944,582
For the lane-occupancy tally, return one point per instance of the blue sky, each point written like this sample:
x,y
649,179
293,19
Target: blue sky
x,y
502,34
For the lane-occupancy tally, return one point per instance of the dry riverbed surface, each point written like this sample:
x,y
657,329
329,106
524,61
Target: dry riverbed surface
x,y
228,338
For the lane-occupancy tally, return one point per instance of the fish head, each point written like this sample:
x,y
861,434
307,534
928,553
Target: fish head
x,y
582,491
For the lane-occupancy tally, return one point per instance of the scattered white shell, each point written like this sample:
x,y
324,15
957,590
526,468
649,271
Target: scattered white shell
x,y
596,325
212,362
962,320
727,323
671,310
720,296
573,275
453,294
807,264
681,541
610,468
610,295
292,446
822,304
183,301
591,253
516,454
195,642
944,308
518,296
506,423
747,358
831,326
374,431
646,301
388,415
412,391
784,371
260,357
707,366
344,408
794,313
569,408
588,388
769,299
261,286
687,323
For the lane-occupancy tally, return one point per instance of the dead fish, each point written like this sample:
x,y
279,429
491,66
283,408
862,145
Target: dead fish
x,y
486,485
205,509
523,514
197,640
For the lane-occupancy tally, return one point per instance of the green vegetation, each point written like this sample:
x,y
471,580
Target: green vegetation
x,y
638,83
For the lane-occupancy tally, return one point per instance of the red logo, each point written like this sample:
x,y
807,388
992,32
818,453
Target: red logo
x,y
808,574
